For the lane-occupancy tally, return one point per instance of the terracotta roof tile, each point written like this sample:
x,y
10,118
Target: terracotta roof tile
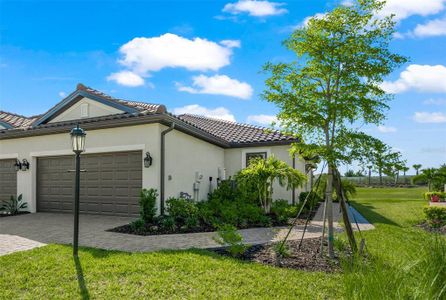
x,y
233,132
17,121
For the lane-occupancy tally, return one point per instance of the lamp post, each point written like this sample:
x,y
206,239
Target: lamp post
x,y
78,143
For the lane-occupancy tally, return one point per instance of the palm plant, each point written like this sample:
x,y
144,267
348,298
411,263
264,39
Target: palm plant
x,y
417,167
430,175
263,173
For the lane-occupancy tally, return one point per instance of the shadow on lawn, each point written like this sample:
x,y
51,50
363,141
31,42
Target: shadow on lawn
x,y
373,217
80,279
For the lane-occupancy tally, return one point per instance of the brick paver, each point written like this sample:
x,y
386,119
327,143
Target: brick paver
x,y
46,228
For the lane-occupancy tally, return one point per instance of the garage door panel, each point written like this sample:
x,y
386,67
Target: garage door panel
x,y
110,185
8,179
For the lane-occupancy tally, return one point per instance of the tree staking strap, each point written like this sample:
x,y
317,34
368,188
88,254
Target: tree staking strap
x,y
300,211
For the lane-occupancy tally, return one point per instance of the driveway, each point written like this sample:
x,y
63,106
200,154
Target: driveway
x,y
33,230
50,228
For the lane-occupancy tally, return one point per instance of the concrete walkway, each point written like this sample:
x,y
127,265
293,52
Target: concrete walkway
x,y
24,232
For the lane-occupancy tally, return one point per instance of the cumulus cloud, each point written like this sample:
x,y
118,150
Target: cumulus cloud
x,y
216,113
218,85
144,55
255,8
429,117
424,78
261,119
386,129
436,27
406,8
126,78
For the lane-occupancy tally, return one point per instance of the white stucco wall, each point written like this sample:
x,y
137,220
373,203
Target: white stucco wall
x,y
235,161
141,137
95,109
186,155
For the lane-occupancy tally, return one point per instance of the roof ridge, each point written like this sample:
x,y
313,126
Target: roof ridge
x,y
226,121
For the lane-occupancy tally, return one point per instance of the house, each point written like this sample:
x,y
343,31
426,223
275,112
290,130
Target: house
x,y
189,154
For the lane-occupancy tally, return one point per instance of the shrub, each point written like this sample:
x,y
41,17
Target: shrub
x,y
228,235
14,205
137,225
183,211
166,223
312,201
435,216
282,211
147,203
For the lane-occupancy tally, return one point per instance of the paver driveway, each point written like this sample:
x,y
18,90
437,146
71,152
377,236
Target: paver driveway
x,y
58,228
32,230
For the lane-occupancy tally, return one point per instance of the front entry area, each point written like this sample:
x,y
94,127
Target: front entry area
x,y
110,185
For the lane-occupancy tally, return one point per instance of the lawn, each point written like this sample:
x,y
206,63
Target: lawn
x,y
51,272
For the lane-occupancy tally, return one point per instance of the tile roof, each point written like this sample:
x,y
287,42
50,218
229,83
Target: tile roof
x,y
236,133
232,133
17,121
143,107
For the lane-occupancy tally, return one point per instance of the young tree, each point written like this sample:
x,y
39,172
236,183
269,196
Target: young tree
x,y
433,177
417,167
342,58
263,173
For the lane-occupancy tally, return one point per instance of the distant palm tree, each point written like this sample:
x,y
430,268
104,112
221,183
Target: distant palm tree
x,y
405,169
428,175
417,167
370,172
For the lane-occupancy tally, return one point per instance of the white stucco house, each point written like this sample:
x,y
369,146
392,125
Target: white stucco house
x,y
189,154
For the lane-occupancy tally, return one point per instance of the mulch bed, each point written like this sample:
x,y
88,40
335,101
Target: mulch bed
x,y
306,258
4,214
425,226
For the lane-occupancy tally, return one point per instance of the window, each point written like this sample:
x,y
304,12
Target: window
x,y
253,155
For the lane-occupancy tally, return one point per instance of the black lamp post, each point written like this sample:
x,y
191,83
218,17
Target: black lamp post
x,y
78,143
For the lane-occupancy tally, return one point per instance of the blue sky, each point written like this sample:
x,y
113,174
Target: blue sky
x,y
205,57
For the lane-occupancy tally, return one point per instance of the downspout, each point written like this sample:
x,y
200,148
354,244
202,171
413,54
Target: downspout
x,y
162,169
293,195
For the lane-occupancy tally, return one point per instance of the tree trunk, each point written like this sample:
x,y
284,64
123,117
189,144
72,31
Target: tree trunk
x,y
370,175
329,197
344,209
380,178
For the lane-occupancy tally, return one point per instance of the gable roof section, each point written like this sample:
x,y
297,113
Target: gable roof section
x,y
130,107
237,134
15,121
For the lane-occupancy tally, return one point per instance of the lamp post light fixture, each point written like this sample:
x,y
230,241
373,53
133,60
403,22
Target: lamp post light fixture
x,y
78,142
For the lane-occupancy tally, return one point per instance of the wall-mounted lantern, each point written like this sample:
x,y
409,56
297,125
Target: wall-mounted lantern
x,y
25,165
18,165
147,160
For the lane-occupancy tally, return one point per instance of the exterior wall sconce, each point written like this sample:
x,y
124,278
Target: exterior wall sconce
x,y
25,165
147,160
18,165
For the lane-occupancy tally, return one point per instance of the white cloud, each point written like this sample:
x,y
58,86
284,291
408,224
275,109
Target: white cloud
x,y
144,55
62,94
398,35
426,117
261,119
231,43
436,27
424,78
386,129
195,109
126,78
307,19
406,8
255,8
432,101
218,85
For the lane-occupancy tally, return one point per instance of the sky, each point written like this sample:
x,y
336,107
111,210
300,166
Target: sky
x,y
206,57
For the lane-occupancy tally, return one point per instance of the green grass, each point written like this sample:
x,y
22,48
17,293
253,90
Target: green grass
x,y
51,272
